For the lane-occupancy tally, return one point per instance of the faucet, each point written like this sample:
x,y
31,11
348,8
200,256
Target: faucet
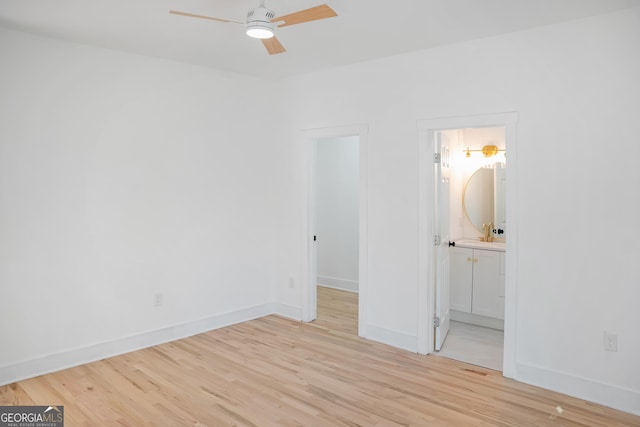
x,y
488,232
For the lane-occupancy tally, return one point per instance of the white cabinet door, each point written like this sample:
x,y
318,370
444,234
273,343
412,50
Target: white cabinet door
x,y
486,283
461,279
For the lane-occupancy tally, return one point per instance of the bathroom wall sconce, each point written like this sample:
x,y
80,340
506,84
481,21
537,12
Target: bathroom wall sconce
x,y
487,151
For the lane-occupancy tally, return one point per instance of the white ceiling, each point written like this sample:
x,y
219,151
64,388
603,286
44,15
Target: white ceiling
x,y
364,29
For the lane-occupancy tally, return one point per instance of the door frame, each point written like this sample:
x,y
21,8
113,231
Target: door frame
x,y
426,217
309,138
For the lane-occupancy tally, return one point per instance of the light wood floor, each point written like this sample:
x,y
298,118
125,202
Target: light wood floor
x,y
337,310
274,371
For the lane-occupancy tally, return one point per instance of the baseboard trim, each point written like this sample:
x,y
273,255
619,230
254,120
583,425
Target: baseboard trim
x,y
475,319
393,338
338,283
288,311
604,394
68,359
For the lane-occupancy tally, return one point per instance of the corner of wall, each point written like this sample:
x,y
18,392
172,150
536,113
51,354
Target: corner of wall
x,y
288,311
397,339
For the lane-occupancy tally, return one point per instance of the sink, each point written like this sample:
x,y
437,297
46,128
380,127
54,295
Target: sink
x,y
477,244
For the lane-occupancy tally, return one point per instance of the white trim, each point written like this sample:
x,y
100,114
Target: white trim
x,y
426,283
338,283
511,255
583,388
426,286
308,248
80,356
393,338
308,292
476,319
288,311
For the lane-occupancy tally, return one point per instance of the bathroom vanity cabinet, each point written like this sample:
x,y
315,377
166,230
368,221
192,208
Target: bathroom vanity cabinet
x,y
477,281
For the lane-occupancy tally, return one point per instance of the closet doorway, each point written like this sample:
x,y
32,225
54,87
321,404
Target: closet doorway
x,y
335,274
337,229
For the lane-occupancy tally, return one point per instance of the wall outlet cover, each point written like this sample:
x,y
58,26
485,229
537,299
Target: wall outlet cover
x,y
610,342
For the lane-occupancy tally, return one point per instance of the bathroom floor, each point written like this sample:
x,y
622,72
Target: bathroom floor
x,y
474,344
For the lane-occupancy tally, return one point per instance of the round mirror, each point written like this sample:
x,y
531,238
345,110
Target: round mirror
x,y
483,199
479,198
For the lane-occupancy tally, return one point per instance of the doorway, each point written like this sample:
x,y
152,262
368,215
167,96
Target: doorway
x,y
337,217
471,220
431,268
310,237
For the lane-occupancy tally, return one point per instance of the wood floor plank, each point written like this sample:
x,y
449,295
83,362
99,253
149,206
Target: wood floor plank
x,y
275,371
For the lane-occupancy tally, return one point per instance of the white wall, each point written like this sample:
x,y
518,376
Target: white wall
x,y
337,212
576,91
122,177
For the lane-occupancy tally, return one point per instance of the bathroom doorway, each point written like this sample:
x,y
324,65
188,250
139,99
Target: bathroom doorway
x,y
471,217
468,278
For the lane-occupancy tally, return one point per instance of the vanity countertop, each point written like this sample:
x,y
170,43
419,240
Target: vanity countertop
x,y
477,244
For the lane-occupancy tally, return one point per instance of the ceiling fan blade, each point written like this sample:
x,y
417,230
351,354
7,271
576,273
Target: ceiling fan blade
x,y
193,15
313,14
273,46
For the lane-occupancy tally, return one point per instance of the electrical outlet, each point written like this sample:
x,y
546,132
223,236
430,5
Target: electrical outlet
x,y
610,342
291,284
157,299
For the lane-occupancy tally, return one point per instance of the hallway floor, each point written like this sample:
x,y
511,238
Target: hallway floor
x,y
337,310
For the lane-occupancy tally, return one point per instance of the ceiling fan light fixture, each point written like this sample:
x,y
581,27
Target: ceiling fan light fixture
x,y
259,25
261,22
259,32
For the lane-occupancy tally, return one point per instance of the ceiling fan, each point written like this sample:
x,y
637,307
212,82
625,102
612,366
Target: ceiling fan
x,y
261,21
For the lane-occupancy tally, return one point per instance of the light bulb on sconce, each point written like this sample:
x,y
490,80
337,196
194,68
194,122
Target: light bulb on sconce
x,y
487,151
